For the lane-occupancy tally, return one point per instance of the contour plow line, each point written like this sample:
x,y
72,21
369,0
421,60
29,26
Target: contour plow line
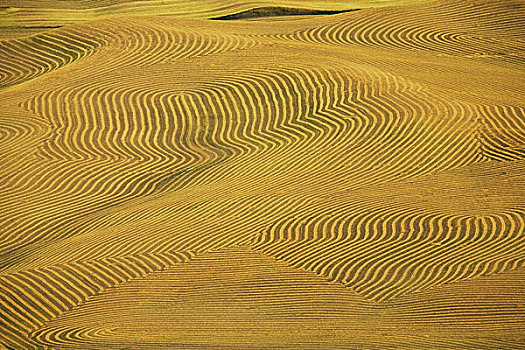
x,y
32,297
314,128
27,58
445,27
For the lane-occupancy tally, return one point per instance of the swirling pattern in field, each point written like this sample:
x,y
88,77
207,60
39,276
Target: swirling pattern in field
x,y
388,242
157,43
174,149
255,301
27,58
403,253
502,132
76,336
447,27
187,139
32,297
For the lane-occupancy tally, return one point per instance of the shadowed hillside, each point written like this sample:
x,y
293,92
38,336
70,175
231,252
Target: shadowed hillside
x,y
318,179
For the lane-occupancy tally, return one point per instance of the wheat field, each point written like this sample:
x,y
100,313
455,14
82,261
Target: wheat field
x,y
262,175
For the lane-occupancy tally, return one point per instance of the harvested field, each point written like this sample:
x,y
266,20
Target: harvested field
x,y
262,175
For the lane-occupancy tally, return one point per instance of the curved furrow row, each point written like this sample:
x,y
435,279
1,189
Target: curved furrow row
x,y
404,117
16,131
133,118
385,113
379,32
122,124
477,254
317,124
156,227
252,286
430,27
504,18
66,335
33,297
502,132
383,253
373,112
39,222
117,132
103,124
152,44
109,124
27,58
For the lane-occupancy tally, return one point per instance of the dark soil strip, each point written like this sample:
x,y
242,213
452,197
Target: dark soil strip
x,y
276,11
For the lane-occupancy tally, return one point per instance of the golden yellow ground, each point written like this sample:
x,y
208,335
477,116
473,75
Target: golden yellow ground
x,y
348,181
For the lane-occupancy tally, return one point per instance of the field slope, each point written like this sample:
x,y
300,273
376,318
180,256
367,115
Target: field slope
x,y
262,175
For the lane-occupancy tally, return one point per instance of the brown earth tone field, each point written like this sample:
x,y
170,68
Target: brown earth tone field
x,y
262,175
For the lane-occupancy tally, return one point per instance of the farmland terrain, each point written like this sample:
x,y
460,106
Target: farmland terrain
x,y
262,175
